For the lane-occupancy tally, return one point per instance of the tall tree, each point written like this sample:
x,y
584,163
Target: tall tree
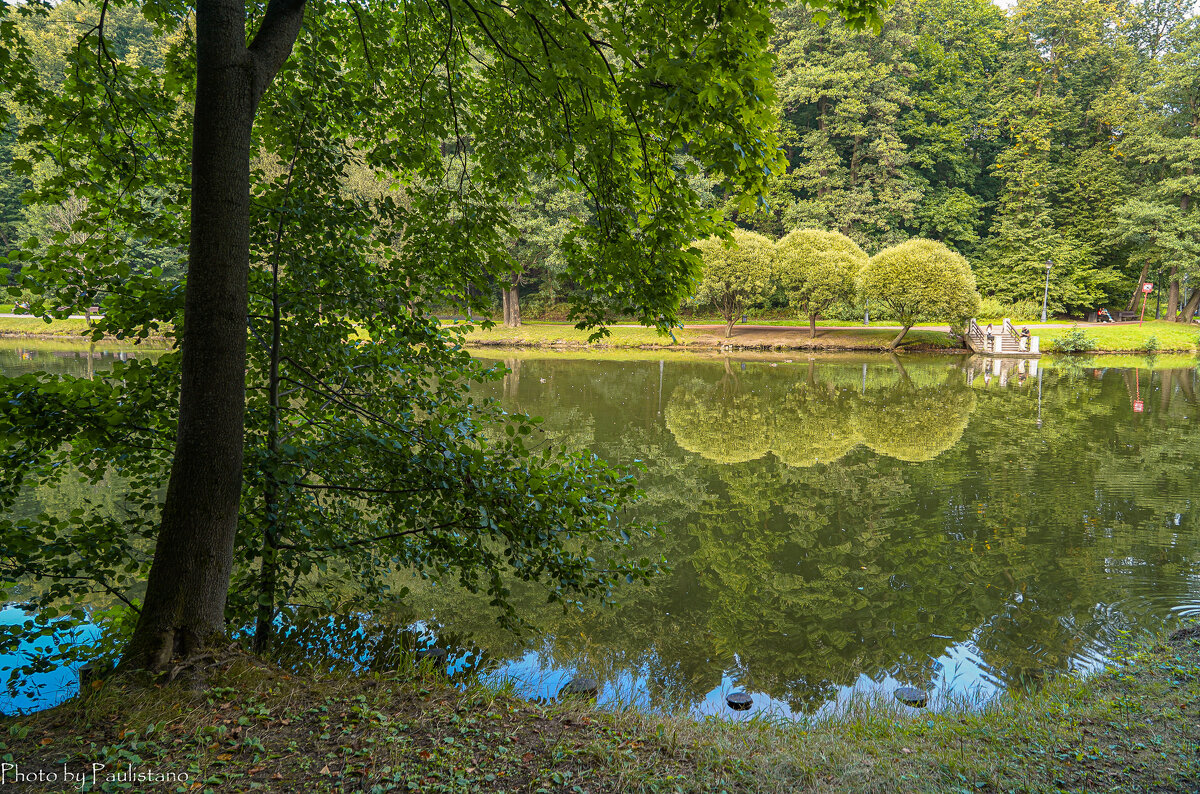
x,y
468,80
1165,141
1060,103
843,93
956,50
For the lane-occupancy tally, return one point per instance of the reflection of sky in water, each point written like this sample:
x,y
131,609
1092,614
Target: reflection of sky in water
x,y
960,678
960,674
43,689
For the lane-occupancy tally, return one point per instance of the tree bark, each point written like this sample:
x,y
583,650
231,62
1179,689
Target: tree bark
x,y
1138,289
1173,294
512,304
900,336
729,321
1190,308
184,608
812,326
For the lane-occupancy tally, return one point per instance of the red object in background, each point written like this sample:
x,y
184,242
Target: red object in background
x,y
1147,287
1138,406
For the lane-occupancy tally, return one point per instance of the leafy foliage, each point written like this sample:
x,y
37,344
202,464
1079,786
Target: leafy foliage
x,y
921,280
1074,341
735,273
365,452
817,269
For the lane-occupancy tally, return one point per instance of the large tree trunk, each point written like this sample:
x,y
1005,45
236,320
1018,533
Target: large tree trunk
x,y
1173,294
512,304
1137,290
729,321
184,608
900,336
812,326
1190,308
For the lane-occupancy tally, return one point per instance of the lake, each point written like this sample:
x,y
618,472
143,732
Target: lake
x,y
849,524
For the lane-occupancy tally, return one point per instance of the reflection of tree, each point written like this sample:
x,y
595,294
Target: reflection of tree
x,y
806,423
913,424
1027,542
811,425
720,421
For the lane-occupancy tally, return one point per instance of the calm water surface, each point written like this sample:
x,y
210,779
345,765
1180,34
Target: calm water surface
x,y
852,524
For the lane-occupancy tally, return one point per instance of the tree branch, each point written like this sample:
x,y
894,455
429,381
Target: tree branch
x,y
273,43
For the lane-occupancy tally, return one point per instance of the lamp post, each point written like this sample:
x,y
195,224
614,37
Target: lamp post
x,y
1046,294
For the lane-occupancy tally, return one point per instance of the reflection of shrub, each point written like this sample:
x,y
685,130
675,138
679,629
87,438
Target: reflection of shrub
x,y
914,424
1074,341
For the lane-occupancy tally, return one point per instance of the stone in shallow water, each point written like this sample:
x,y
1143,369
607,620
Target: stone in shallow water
x,y
739,701
911,696
580,687
434,653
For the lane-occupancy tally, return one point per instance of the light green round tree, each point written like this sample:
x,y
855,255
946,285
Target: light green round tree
x,y
921,280
816,269
734,274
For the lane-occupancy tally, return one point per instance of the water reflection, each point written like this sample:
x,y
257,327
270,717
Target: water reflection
x,y
845,524
841,525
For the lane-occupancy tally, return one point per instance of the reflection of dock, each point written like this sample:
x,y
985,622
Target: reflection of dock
x,y
1002,341
1002,370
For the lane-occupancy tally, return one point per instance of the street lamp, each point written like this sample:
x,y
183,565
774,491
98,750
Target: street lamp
x,y
1046,294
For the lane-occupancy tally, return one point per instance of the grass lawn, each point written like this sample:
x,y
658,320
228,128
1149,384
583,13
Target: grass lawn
x,y
1132,337
239,725
14,326
1085,361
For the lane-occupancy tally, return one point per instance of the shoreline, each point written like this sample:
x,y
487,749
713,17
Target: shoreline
x,y
239,724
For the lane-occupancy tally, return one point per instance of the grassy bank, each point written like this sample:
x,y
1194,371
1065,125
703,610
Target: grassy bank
x,y
787,337
35,326
1132,728
1132,338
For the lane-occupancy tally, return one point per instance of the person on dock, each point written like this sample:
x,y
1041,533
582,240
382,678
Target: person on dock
x,y
990,346
1025,337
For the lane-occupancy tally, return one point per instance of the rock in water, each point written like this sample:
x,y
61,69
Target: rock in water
x,y
580,687
434,653
739,701
911,696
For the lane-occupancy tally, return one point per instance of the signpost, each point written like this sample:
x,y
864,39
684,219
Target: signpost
x,y
1147,288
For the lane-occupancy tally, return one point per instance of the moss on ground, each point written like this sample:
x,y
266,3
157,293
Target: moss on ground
x,y
1131,728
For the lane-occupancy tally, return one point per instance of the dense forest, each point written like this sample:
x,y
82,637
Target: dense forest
x,y
1060,131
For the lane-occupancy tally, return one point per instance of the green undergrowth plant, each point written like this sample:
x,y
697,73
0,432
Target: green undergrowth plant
x,y
1075,340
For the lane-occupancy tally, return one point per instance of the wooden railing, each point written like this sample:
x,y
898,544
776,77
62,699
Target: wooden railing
x,y
1010,330
975,333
